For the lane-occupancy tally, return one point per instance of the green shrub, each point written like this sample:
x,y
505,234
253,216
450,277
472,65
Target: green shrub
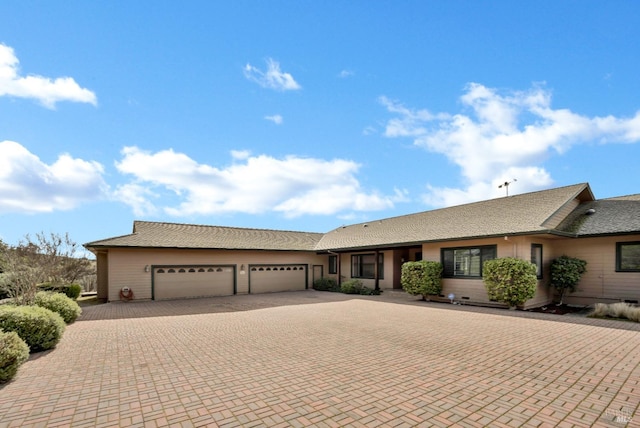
x,y
352,286
325,284
422,278
64,306
566,273
72,291
509,280
40,328
13,352
366,291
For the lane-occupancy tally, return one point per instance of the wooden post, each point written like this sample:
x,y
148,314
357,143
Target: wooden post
x,y
375,273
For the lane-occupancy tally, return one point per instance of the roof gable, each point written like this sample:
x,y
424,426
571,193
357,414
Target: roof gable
x,y
517,214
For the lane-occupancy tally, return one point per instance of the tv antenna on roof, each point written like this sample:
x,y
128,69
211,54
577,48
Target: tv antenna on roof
x,y
506,185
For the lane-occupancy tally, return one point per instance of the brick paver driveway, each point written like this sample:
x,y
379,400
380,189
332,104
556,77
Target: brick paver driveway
x,y
325,359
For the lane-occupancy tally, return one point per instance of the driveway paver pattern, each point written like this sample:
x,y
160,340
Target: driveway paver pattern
x,y
328,360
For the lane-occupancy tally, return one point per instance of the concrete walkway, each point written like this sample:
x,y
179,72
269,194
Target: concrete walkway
x,y
328,360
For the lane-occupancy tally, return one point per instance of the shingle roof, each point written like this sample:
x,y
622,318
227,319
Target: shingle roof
x,y
518,214
604,217
172,235
635,197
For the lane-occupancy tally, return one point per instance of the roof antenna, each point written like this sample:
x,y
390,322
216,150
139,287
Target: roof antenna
x,y
506,185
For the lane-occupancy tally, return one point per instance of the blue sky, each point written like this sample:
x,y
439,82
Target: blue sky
x,y
302,115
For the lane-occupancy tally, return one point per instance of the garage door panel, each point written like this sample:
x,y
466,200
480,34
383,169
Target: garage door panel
x,y
175,282
273,278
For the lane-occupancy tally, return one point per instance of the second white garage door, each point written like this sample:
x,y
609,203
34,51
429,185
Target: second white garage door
x,y
176,282
271,278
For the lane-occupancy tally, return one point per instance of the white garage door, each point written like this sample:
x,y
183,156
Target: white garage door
x,y
270,278
175,282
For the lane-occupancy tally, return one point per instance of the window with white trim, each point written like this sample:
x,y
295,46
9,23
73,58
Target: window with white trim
x,y
536,258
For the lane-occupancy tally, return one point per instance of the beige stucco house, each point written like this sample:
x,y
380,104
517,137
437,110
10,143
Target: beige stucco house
x,y
167,260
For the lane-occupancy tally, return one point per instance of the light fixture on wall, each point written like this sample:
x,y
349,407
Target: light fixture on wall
x,y
146,268
241,269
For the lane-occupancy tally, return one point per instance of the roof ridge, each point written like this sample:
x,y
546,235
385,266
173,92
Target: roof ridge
x,y
222,227
619,197
484,201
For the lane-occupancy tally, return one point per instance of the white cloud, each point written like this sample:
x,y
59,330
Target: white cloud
x,y
293,186
502,136
272,78
240,154
28,185
45,90
276,118
137,197
346,73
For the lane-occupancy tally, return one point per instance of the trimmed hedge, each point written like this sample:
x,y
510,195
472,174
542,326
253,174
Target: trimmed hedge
x,y
60,304
510,280
40,328
422,278
72,291
13,352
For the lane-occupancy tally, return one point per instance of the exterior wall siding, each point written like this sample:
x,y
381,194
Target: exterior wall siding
x,y
472,290
126,266
601,282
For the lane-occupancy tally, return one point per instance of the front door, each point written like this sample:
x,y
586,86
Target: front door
x,y
317,272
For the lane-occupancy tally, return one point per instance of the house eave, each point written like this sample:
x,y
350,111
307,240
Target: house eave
x,y
150,247
391,246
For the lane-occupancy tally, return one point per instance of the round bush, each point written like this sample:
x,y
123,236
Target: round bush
x,y
509,280
352,286
60,304
13,352
422,278
40,328
73,290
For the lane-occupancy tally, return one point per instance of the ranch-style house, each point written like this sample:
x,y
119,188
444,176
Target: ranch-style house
x,y
168,260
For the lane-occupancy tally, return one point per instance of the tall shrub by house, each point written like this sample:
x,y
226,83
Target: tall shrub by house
x,y
566,273
422,278
509,280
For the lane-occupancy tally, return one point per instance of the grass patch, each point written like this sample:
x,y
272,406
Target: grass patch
x,y
89,301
